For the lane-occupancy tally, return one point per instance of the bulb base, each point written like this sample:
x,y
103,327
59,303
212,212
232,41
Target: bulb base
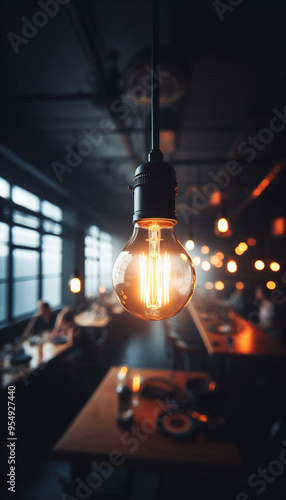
x,y
155,190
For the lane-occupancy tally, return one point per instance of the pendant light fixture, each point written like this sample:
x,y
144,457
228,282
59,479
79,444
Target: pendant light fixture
x,y
154,276
222,227
75,283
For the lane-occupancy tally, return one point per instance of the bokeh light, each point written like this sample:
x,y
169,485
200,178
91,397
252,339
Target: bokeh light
x,y
209,285
243,246
219,285
206,265
271,285
259,265
205,249
231,266
274,266
190,245
239,285
251,242
196,261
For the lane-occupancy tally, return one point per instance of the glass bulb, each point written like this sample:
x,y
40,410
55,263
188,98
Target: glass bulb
x,y
222,225
75,285
154,277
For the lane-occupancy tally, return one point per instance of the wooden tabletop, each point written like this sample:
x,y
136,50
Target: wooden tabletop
x,y
41,355
246,339
94,435
91,319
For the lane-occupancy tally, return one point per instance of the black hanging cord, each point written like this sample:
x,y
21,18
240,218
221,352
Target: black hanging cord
x,y
155,153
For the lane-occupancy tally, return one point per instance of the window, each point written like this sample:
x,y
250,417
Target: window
x,y
98,261
30,252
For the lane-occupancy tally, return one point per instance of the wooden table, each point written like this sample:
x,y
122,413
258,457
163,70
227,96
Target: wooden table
x,y
91,320
41,355
94,436
247,340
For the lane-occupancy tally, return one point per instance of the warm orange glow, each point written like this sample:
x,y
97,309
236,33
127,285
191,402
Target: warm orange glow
x,y
265,182
102,289
231,266
269,177
183,257
219,264
238,251
239,285
122,372
205,249
256,192
167,141
209,285
243,246
274,266
75,285
215,199
271,285
212,385
206,265
222,225
203,418
259,265
190,245
214,260
251,242
219,285
196,261
155,272
220,255
276,169
136,381
278,226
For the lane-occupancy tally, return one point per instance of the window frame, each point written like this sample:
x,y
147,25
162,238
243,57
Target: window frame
x,y
7,209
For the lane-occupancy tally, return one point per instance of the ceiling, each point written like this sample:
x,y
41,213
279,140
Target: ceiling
x,y
68,82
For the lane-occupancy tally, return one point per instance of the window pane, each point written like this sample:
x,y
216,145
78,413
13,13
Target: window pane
x,y
51,211
25,237
25,296
4,188
52,244
4,232
91,267
52,291
4,261
25,199
26,220
25,263
3,301
52,263
52,227
91,286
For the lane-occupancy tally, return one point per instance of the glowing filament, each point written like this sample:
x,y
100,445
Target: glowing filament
x,y
154,272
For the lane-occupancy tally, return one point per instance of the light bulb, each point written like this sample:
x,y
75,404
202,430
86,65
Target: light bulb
x,y
222,225
75,285
231,266
154,276
190,245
